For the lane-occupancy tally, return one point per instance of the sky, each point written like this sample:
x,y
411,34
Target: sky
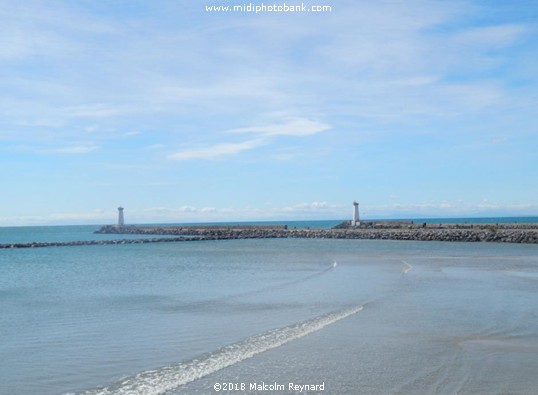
x,y
178,114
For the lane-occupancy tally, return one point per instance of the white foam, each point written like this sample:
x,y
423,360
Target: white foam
x,y
154,382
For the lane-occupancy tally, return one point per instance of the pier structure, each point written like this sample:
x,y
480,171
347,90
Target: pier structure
x,y
355,221
121,221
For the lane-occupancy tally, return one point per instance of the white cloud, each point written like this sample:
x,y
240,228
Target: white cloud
x,y
472,95
313,210
40,123
99,110
31,29
182,209
297,127
314,206
493,36
97,216
449,209
156,146
216,151
75,149
324,210
301,211
68,149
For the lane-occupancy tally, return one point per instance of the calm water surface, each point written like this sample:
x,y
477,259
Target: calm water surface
x,y
364,317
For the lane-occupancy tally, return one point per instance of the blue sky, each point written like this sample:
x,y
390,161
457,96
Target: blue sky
x,y
413,108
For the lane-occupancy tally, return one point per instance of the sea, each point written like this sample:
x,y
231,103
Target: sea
x,y
267,316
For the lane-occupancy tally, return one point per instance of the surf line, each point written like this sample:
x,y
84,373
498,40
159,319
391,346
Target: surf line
x,y
283,285
159,381
408,268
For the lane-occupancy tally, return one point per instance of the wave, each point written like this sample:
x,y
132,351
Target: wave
x,y
287,283
154,382
219,303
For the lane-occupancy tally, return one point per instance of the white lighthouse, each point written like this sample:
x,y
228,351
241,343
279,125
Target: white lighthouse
x,y
356,220
121,221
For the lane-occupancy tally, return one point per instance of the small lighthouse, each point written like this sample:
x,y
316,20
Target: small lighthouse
x,y
121,221
356,220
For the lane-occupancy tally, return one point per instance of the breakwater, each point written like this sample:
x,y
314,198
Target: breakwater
x,y
502,233
39,244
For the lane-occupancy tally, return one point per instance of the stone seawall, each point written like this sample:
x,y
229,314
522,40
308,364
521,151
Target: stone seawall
x,y
505,233
38,244
502,233
181,230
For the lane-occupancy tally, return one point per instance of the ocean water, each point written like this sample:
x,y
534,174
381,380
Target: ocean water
x,y
358,316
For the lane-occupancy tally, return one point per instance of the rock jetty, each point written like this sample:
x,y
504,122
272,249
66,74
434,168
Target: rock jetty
x,y
37,244
500,233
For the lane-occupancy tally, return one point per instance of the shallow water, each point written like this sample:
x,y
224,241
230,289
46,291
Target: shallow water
x,y
362,317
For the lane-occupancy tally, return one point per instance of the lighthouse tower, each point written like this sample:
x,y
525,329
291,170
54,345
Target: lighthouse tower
x,y
121,222
355,221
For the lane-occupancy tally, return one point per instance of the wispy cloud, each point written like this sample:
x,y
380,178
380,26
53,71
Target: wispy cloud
x,y
180,210
191,213
97,216
449,209
493,36
292,127
313,206
316,210
297,127
216,151
99,110
75,149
